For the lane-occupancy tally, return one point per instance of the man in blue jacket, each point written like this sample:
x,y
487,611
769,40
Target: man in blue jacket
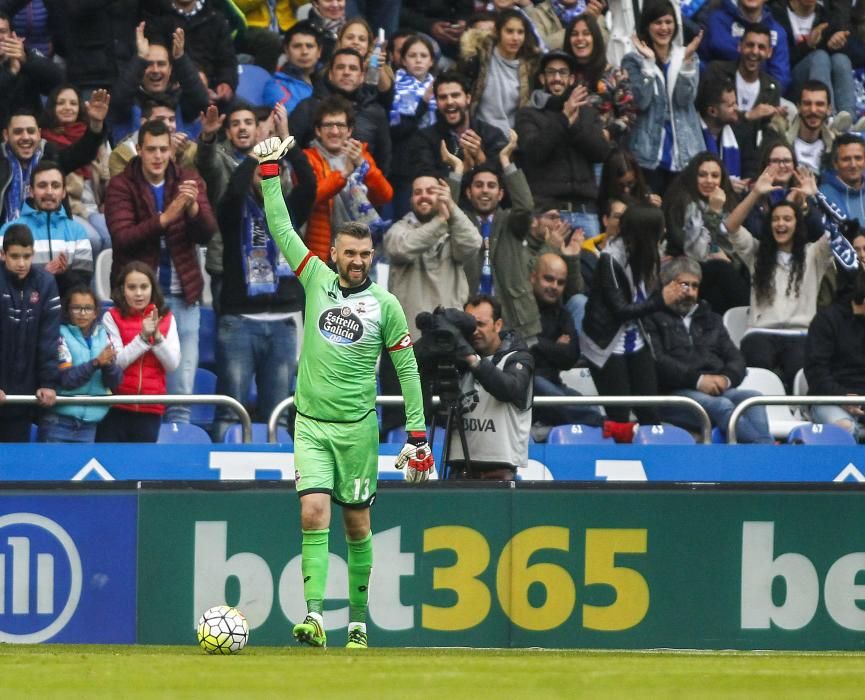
x,y
725,27
844,186
29,333
293,82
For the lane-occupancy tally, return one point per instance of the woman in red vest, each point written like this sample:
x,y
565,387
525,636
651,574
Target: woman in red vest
x,y
144,333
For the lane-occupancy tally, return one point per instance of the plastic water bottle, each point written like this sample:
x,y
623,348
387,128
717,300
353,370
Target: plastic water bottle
x,y
374,67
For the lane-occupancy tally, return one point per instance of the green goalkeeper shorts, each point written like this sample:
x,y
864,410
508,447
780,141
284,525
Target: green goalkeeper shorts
x,y
337,458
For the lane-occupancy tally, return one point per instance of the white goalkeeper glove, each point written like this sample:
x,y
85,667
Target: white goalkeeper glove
x,y
272,149
417,455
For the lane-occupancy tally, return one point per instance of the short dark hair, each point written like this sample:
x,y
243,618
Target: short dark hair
x,y
156,296
304,27
17,234
21,111
44,165
333,104
76,288
344,52
154,128
710,93
757,28
846,140
481,298
469,177
482,16
815,86
452,76
353,229
240,105
159,99
653,10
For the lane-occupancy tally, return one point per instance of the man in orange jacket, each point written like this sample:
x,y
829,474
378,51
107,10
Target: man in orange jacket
x,y
349,183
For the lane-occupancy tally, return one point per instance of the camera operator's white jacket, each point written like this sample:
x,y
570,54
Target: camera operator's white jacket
x,y
426,262
496,402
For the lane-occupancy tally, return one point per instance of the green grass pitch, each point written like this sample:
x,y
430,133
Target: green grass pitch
x,y
76,671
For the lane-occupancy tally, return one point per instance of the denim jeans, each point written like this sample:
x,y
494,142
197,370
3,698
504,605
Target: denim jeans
x,y
247,349
56,427
563,415
182,380
379,13
836,71
753,426
840,417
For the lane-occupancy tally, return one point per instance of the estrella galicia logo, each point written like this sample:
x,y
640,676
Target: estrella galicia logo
x,y
340,325
40,578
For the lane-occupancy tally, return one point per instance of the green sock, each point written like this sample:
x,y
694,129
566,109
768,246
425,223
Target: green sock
x,y
359,566
313,566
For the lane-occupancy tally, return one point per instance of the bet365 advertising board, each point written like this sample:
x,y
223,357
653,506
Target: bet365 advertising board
x,y
601,567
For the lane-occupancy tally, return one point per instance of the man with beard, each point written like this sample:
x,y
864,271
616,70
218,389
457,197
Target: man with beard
x,y
561,137
468,138
695,357
809,131
60,244
758,95
349,321
502,265
428,248
344,77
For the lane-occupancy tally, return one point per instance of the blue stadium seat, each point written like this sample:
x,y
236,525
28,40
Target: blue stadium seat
x,y
718,436
251,80
207,339
34,432
182,433
663,434
820,434
576,434
234,434
205,383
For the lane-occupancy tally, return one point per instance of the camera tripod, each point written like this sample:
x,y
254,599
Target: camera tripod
x,y
446,383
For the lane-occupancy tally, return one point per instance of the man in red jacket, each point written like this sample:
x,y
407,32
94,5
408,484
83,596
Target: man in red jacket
x,y
159,213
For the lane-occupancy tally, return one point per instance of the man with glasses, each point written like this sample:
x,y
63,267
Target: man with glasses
x,y
60,244
695,357
561,137
349,182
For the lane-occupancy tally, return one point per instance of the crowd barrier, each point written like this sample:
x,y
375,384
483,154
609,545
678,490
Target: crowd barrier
x,y
785,401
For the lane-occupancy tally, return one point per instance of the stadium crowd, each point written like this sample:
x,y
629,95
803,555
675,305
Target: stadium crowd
x,y
618,174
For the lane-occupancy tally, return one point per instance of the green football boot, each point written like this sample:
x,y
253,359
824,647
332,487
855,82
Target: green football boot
x,y
357,638
311,631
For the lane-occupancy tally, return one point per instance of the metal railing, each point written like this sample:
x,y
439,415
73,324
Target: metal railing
x,y
705,422
786,401
167,399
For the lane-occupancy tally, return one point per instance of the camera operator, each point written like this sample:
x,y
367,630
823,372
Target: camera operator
x,y
495,397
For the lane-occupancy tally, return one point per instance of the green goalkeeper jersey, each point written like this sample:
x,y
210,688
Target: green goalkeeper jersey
x,y
344,333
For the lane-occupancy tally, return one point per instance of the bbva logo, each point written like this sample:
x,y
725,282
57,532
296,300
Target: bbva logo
x,y
40,578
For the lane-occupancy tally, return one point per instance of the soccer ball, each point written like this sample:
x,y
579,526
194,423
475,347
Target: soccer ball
x,y
223,630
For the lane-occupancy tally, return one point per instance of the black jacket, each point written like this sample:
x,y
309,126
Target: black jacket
x,y
681,356
29,334
425,146
289,294
208,39
95,37
552,357
370,120
38,76
835,351
512,383
557,157
611,302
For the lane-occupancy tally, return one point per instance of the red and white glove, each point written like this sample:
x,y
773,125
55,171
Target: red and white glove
x,y
416,453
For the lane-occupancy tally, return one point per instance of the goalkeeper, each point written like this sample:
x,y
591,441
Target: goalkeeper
x,y
349,319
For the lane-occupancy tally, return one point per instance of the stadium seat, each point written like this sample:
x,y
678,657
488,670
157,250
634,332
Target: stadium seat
x,y
820,434
205,383
577,435
782,419
800,388
102,275
207,339
34,432
251,80
736,322
580,378
718,436
662,434
182,433
234,434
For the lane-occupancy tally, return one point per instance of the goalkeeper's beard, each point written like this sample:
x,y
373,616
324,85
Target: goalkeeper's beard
x,y
350,279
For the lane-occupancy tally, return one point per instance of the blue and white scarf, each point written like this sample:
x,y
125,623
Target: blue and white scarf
x,y
263,263
408,91
16,193
566,14
727,150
